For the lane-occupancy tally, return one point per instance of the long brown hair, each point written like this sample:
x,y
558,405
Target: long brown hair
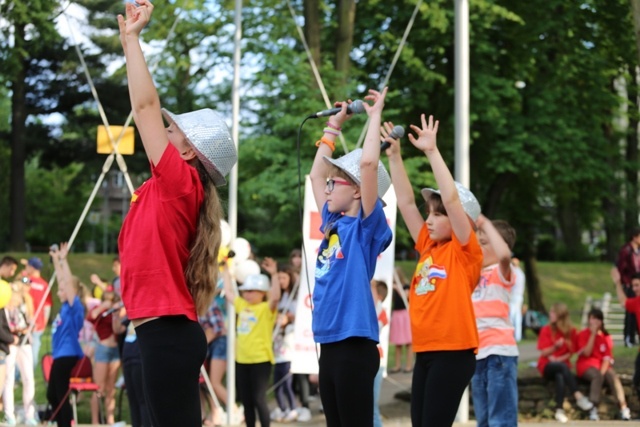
x,y
562,325
202,267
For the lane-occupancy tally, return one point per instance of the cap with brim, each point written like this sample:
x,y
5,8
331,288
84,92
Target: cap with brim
x,y
255,282
469,202
350,164
209,136
35,262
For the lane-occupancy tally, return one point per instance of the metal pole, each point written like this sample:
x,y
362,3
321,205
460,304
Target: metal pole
x,y
462,126
233,208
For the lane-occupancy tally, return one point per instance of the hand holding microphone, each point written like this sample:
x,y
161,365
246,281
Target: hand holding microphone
x,y
396,133
115,308
356,107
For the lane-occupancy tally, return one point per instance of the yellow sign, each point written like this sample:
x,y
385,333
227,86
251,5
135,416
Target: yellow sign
x,y
125,146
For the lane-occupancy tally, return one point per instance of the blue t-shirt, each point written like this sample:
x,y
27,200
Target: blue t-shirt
x,y
343,303
65,330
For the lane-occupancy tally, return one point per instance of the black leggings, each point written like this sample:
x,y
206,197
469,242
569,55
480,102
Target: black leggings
x,y
135,394
58,388
636,375
560,373
630,322
284,390
347,371
253,381
439,380
172,350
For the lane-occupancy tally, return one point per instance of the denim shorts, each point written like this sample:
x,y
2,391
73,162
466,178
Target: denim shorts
x,y
106,354
218,348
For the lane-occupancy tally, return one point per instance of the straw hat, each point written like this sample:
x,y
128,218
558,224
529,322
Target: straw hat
x,y
255,282
350,164
209,136
469,202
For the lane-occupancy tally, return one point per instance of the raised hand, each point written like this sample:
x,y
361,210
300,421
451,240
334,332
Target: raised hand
x,y
137,17
426,135
385,131
378,101
269,265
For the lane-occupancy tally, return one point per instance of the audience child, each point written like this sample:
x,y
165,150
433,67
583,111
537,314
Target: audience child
x,y
494,385
380,290
443,325
41,304
64,337
595,364
170,238
557,342
400,326
348,192
256,308
19,312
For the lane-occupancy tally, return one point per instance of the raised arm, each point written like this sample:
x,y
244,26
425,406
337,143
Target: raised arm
x,y
426,142
404,192
145,102
371,152
500,247
229,289
63,271
273,296
615,276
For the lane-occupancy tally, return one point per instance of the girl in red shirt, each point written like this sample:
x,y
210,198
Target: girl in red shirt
x,y
170,238
557,342
595,364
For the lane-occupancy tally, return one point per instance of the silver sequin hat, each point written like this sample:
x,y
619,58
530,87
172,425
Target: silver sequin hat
x,y
469,202
350,164
209,136
255,282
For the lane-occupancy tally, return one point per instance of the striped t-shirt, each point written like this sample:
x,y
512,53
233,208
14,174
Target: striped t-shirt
x,y
491,306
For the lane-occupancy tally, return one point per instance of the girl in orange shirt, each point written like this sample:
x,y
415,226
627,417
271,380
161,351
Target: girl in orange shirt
x,y
443,326
557,342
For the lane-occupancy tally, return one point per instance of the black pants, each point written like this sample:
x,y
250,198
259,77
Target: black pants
x,y
630,322
439,380
636,375
253,382
58,388
560,373
347,371
135,394
172,350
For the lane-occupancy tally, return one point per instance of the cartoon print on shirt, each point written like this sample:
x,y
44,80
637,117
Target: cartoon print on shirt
x,y
56,323
481,289
332,252
246,321
428,273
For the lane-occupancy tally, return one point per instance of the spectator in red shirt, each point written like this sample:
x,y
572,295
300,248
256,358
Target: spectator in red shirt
x,y
628,264
37,289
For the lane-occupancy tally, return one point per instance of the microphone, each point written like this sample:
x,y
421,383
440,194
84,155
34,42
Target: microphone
x,y
113,309
396,132
356,107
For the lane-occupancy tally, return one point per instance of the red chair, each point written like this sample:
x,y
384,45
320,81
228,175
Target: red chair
x,y
81,380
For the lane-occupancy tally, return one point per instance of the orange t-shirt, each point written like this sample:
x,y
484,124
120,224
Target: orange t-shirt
x,y
441,311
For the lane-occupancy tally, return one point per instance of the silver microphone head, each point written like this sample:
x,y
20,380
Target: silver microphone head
x,y
356,107
397,132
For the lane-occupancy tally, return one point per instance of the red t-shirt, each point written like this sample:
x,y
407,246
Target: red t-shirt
x,y
156,238
546,339
633,306
102,325
37,290
602,346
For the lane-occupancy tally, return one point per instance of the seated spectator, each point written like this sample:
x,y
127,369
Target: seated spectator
x,y
595,364
557,342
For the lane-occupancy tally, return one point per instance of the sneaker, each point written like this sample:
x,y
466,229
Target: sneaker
x,y
625,413
304,415
593,414
31,422
291,416
277,415
10,420
561,416
584,403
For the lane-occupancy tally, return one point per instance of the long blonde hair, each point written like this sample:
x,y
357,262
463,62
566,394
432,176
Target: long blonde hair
x,y
202,267
563,324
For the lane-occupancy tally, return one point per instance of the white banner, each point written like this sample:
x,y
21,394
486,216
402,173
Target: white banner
x,y
305,354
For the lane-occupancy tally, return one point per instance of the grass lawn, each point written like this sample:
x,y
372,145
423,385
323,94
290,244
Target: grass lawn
x,y
570,283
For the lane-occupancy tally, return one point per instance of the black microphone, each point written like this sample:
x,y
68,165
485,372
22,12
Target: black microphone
x,y
113,309
396,132
356,107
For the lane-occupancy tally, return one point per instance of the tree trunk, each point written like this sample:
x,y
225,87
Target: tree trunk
x,y
570,230
312,29
18,153
344,42
531,272
631,157
635,11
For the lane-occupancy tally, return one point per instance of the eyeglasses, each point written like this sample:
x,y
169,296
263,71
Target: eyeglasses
x,y
331,183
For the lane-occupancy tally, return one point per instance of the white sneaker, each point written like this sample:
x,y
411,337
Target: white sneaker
x,y
31,422
584,403
291,416
593,414
304,415
625,413
277,415
10,420
561,416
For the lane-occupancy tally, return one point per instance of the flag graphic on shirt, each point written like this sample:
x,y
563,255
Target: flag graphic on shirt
x,y
436,272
